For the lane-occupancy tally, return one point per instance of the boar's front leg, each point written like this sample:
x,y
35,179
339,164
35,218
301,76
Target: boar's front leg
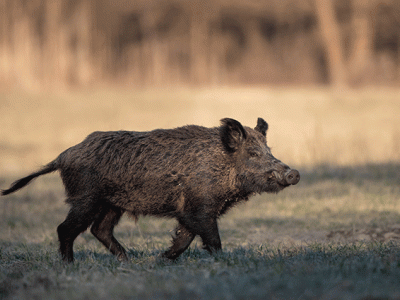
x,y
180,242
209,234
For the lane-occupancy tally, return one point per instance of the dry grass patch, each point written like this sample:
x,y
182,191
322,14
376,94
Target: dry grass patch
x,y
307,126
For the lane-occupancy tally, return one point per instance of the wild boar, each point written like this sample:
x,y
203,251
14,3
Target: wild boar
x,y
192,173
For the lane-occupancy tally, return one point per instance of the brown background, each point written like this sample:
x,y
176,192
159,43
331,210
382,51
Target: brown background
x,y
56,43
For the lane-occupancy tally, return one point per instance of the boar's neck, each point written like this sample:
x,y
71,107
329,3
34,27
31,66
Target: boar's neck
x,y
230,201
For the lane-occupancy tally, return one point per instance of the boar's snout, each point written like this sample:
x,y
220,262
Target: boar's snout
x,y
292,177
286,176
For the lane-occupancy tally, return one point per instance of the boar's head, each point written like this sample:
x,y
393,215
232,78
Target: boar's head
x,y
257,170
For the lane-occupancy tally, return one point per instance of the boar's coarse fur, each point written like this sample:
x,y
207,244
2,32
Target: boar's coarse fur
x,y
192,173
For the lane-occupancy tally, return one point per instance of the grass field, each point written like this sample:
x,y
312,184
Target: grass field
x,y
335,235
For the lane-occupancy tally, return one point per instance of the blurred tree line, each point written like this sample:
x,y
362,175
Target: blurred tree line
x,y
53,43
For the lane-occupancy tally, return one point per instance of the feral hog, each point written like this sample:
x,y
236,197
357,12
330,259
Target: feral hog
x,y
192,173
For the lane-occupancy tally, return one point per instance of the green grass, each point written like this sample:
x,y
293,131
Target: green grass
x,y
333,236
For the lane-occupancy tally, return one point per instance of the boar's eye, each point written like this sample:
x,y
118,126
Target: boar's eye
x,y
254,153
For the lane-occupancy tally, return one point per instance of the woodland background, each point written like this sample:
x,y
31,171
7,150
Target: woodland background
x,y
63,43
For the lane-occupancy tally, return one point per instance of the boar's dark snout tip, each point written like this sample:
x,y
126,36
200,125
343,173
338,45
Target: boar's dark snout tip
x,y
292,177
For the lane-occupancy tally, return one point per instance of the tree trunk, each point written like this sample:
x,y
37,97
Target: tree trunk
x,y
331,37
361,51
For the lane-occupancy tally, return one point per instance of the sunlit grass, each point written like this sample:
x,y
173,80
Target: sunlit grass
x,y
308,126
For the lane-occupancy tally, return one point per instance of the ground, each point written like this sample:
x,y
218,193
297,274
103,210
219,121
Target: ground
x,y
335,235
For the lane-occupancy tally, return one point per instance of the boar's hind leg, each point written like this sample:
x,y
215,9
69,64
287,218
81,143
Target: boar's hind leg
x,y
78,220
103,227
180,242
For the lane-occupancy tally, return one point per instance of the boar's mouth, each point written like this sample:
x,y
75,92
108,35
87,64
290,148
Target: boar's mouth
x,y
277,178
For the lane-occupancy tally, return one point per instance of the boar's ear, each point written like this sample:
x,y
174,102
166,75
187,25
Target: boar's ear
x,y
232,134
262,126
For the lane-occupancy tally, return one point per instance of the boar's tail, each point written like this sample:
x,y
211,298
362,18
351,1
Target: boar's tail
x,y
20,183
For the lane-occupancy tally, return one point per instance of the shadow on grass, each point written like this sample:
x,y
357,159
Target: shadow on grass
x,y
386,173
354,219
